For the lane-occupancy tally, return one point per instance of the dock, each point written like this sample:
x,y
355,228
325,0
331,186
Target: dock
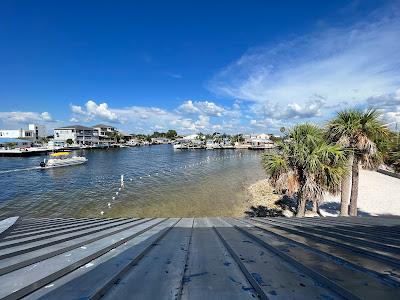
x,y
24,152
200,258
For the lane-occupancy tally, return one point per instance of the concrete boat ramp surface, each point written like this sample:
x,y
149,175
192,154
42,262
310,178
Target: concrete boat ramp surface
x,y
200,258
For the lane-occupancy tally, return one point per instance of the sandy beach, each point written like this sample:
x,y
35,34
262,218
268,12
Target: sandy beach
x,y
379,194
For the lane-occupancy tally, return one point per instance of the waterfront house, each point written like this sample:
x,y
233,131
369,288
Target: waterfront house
x,y
106,133
261,143
80,135
39,131
34,132
125,136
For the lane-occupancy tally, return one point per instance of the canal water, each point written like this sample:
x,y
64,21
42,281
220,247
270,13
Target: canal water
x,y
159,182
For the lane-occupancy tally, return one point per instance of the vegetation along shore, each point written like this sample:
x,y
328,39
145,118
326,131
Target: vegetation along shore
x,y
315,166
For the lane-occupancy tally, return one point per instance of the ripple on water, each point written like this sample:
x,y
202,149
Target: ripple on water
x,y
212,184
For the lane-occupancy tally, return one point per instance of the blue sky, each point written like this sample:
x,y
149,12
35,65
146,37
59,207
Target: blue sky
x,y
227,66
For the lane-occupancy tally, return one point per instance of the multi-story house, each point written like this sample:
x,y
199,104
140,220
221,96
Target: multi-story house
x,y
80,135
105,133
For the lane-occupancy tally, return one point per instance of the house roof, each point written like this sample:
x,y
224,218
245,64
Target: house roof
x,y
102,125
80,127
124,134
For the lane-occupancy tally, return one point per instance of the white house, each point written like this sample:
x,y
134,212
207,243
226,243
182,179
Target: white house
x,y
17,134
39,131
34,132
80,135
105,132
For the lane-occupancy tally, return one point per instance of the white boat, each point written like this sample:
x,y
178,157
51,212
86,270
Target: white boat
x,y
181,146
61,159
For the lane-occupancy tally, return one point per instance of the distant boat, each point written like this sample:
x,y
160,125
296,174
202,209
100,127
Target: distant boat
x,y
181,146
61,159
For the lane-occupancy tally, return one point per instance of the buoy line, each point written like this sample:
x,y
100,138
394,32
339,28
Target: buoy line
x,y
171,171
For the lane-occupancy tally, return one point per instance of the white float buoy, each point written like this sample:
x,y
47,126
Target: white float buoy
x,y
113,198
102,212
119,189
109,204
116,193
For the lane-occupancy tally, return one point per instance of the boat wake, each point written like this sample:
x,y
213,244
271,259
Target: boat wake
x,y
18,170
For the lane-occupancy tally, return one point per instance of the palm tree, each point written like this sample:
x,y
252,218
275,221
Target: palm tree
x,y
357,131
306,164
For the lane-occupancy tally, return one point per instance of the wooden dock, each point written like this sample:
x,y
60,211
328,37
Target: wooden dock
x,y
200,258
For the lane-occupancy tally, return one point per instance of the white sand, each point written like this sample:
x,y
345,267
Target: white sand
x,y
378,194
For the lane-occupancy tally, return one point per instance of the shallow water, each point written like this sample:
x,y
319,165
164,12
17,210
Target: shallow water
x,y
181,183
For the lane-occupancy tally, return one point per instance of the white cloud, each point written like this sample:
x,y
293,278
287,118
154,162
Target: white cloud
x,y
202,107
188,107
388,105
100,111
25,117
310,75
46,116
202,122
93,111
76,109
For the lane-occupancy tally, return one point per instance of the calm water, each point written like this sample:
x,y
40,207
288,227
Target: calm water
x,y
181,183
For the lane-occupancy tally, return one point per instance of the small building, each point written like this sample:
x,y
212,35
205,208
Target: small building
x,y
80,135
257,143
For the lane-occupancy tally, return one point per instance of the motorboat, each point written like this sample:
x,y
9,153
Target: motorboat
x,y
62,159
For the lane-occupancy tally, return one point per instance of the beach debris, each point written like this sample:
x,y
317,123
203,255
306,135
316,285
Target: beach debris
x,y
113,197
102,212
109,205
116,193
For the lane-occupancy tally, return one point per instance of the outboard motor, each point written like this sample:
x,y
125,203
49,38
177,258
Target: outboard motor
x,y
42,164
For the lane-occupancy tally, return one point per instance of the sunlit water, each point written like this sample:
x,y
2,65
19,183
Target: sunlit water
x,y
188,183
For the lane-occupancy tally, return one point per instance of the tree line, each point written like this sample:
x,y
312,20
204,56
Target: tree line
x,y
312,160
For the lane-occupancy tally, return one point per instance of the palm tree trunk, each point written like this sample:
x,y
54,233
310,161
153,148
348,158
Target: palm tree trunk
x,y
354,186
315,206
345,188
301,206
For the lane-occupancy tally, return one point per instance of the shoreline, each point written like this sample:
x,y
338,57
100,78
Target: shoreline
x,y
379,195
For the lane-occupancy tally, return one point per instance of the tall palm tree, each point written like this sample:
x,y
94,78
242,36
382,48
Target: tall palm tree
x,y
357,131
306,164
